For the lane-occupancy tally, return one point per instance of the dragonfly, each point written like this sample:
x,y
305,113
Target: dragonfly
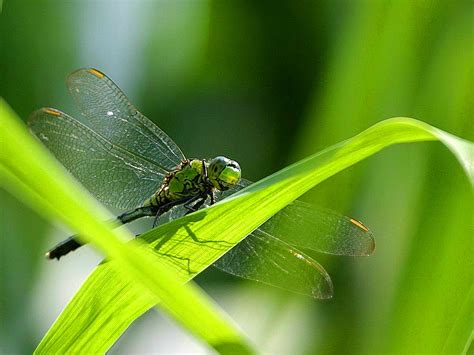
x,y
129,163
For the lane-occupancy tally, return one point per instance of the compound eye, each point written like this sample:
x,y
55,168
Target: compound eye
x,y
217,165
230,176
224,173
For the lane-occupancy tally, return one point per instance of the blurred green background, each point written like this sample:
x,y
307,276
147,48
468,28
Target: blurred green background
x,y
267,84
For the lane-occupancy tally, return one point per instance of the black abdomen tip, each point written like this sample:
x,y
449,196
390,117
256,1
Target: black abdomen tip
x,y
63,248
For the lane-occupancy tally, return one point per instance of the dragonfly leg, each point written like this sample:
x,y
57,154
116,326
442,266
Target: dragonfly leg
x,y
196,206
167,206
192,208
204,168
206,177
205,174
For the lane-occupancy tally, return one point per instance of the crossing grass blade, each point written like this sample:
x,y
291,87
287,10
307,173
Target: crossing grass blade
x,y
30,173
192,243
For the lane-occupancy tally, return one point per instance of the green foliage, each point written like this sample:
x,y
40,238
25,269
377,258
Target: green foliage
x,y
108,302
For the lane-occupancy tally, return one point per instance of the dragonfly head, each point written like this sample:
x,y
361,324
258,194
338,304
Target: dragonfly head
x,y
223,173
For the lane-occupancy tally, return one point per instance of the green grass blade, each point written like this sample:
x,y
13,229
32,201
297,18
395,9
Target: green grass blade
x,y
29,172
216,229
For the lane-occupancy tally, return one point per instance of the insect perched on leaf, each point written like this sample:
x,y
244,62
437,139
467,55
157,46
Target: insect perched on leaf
x,y
127,162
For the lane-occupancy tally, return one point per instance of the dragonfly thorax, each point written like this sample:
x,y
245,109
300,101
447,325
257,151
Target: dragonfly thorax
x,y
193,178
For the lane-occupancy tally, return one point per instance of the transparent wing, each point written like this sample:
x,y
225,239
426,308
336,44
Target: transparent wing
x,y
263,258
270,255
114,175
111,115
307,226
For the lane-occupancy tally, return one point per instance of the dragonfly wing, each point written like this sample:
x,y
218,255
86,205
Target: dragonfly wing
x,y
110,114
306,226
263,258
115,176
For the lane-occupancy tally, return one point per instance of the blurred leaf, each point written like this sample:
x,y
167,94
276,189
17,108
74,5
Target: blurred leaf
x,y
23,242
387,60
194,242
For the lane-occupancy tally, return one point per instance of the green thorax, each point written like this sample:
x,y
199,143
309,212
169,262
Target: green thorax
x,y
186,181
